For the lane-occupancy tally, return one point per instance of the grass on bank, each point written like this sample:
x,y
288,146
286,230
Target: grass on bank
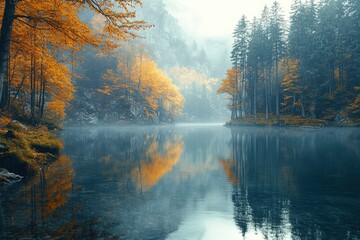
x,y
289,120
26,149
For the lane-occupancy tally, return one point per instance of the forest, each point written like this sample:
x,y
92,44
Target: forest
x,y
100,61
302,71
41,49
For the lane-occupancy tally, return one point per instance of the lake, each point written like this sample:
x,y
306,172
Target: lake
x,y
192,181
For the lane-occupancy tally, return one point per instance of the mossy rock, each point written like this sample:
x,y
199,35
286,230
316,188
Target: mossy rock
x,y
54,149
25,150
13,163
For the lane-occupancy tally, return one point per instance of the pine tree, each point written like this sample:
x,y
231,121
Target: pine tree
x,y
277,39
239,60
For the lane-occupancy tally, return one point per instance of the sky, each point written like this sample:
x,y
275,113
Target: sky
x,y
216,19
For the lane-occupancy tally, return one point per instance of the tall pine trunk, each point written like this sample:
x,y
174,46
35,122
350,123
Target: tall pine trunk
x,y
277,86
255,93
5,37
266,93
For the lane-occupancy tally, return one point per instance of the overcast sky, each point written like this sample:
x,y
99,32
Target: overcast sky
x,y
207,19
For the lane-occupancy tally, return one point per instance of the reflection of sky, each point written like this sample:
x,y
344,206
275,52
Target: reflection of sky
x,y
209,218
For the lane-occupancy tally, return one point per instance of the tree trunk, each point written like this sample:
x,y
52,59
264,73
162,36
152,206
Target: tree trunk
x,y
266,91
43,99
243,86
5,37
237,95
293,105
302,107
32,88
243,93
5,98
277,107
255,94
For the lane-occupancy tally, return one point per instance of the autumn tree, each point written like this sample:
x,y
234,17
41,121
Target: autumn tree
x,y
229,86
143,88
291,86
54,27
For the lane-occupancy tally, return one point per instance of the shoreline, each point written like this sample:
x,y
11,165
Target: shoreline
x,y
26,149
292,121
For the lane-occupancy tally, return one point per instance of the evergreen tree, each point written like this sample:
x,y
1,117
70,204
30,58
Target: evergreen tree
x,y
277,39
239,59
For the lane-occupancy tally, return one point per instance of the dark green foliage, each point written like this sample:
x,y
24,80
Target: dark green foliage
x,y
324,37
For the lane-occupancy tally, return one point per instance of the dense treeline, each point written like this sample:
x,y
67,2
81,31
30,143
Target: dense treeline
x,y
309,69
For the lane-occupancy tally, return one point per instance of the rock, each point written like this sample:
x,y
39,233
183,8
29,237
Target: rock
x,y
3,148
21,125
16,125
341,120
10,134
9,178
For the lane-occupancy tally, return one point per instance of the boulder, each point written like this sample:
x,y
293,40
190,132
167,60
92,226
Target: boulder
x,y
3,148
8,178
10,134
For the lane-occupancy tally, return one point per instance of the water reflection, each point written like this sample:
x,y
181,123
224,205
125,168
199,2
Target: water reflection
x,y
46,207
159,159
192,182
295,184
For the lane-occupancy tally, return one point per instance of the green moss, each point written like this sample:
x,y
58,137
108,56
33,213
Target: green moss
x,y
28,148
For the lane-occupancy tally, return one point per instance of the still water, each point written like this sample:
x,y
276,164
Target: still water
x,y
192,182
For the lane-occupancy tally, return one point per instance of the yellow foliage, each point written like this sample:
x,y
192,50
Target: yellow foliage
x,y
186,78
229,84
138,75
45,36
56,110
106,90
289,71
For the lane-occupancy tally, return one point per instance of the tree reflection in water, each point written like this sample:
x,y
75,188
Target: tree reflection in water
x,y
42,208
300,186
191,182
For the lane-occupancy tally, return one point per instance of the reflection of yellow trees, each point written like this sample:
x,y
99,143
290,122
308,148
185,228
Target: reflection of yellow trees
x,y
145,163
50,191
230,170
157,163
57,188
